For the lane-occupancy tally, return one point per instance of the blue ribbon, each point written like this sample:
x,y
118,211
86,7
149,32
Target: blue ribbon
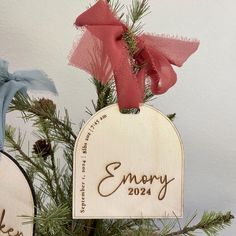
x,y
18,81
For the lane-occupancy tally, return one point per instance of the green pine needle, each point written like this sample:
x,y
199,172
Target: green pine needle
x,y
137,11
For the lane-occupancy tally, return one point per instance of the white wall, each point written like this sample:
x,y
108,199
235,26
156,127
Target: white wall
x,y
39,34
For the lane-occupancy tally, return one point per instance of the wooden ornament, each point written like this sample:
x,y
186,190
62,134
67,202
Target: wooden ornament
x,y
17,199
128,166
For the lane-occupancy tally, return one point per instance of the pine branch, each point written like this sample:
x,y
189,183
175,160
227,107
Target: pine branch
x,y
211,223
24,158
52,219
137,11
59,191
116,6
171,116
106,94
31,108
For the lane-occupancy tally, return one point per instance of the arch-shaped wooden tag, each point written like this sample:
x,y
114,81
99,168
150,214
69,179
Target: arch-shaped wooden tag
x,y
128,166
17,199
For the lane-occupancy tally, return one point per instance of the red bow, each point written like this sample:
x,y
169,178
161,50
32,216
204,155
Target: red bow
x,y
102,52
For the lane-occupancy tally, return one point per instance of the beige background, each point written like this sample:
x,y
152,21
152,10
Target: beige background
x,y
39,34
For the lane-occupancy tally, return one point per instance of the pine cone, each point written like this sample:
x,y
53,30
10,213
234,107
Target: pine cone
x,y
46,105
42,147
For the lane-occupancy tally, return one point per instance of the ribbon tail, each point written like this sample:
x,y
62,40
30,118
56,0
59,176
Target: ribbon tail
x,y
130,89
35,80
175,50
7,92
164,76
89,55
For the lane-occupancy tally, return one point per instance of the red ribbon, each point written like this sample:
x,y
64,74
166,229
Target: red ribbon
x,y
102,52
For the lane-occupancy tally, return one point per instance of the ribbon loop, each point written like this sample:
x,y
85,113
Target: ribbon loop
x,y
155,55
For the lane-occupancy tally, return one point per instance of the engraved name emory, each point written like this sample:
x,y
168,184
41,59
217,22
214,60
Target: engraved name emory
x,y
131,178
8,231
